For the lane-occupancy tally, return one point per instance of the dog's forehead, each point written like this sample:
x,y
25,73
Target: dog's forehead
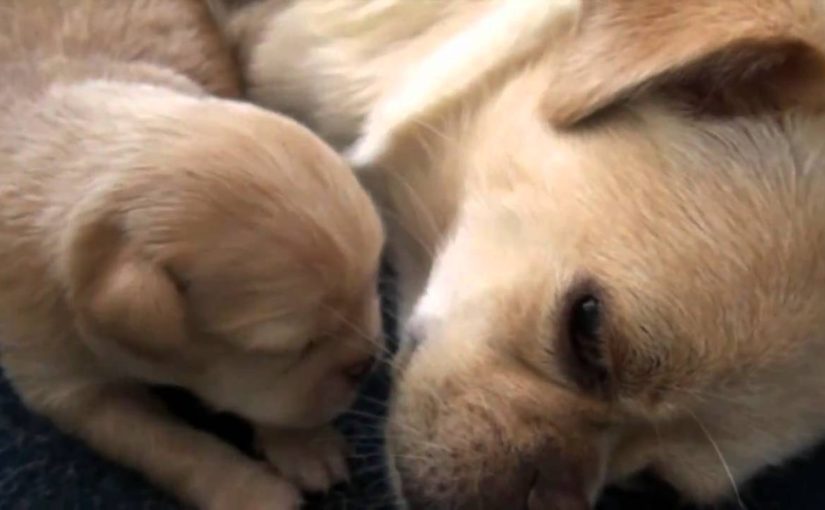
x,y
712,238
703,234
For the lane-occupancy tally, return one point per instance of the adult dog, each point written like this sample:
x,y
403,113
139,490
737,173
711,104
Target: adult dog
x,y
609,224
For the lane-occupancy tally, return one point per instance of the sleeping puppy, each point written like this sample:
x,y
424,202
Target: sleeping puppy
x,y
609,224
153,233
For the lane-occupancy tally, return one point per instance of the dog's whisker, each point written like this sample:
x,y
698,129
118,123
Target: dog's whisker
x,y
401,224
375,401
728,472
379,341
363,414
403,457
420,209
705,396
430,127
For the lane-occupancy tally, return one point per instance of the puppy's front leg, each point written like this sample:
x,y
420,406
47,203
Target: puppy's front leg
x,y
314,459
127,425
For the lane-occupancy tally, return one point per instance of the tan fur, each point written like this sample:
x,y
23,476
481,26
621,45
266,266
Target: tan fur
x,y
668,157
154,233
742,40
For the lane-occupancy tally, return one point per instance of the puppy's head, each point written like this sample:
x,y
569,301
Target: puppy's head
x,y
235,255
635,277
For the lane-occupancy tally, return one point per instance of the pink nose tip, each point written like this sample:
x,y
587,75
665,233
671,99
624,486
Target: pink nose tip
x,y
357,372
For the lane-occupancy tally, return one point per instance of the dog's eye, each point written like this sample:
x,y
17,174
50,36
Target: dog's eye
x,y
584,334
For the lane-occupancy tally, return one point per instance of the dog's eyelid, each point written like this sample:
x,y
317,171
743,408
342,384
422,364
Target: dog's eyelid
x,y
582,335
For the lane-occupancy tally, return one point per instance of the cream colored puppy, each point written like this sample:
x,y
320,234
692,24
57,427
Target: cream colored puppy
x,y
609,222
153,233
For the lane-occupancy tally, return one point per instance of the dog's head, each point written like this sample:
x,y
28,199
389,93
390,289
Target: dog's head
x,y
634,277
234,255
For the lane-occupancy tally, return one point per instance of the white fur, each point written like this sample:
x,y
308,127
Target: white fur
x,y
510,28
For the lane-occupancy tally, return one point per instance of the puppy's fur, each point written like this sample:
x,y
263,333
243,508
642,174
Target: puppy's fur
x,y
152,232
609,225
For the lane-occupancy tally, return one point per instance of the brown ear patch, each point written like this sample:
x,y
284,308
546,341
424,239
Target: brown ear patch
x,y
120,296
722,53
751,76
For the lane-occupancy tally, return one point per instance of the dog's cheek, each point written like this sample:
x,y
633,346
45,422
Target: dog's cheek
x,y
704,465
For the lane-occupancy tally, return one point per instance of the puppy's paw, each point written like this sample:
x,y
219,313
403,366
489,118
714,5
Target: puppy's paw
x,y
259,490
315,460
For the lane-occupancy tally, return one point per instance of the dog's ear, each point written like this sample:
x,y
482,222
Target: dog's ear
x,y
119,295
719,53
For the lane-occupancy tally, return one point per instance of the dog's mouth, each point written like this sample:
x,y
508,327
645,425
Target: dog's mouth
x,y
540,490
642,490
452,463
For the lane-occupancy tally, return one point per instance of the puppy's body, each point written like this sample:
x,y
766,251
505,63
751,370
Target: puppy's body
x,y
609,229
153,233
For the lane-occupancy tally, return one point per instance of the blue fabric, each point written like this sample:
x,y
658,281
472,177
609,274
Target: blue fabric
x,y
40,468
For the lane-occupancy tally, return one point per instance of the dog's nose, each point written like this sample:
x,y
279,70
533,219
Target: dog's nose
x,y
358,371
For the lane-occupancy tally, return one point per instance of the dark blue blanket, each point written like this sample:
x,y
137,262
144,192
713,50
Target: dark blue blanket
x,y
40,468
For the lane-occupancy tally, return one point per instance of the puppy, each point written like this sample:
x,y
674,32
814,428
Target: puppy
x,y
609,225
152,232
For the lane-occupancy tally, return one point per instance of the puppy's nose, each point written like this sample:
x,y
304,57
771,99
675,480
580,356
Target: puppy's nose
x,y
359,371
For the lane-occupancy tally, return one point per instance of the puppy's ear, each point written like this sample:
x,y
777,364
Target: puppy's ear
x,y
720,54
120,295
